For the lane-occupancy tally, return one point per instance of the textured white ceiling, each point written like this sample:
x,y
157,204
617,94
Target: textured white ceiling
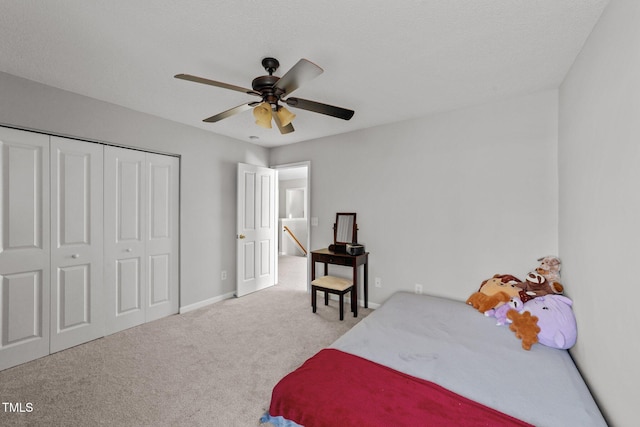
x,y
387,60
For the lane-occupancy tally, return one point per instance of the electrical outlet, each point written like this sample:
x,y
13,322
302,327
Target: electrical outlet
x,y
418,289
378,282
223,275
314,221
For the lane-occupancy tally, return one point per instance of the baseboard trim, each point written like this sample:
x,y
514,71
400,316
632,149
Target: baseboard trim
x,y
347,300
373,305
200,304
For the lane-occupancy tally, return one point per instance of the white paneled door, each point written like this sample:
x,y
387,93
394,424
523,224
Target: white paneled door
x,y
76,243
256,229
124,241
162,236
141,237
24,246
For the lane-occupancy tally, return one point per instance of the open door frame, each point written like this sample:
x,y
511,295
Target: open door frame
x,y
307,201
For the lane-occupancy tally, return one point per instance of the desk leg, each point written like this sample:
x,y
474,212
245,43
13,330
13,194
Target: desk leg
x,y
366,285
354,292
313,277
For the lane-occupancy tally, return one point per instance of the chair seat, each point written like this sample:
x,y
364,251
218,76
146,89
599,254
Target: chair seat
x,y
332,282
333,285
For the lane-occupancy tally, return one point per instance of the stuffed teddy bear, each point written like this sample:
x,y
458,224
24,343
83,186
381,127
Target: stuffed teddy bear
x,y
550,268
500,313
554,320
525,327
495,292
535,285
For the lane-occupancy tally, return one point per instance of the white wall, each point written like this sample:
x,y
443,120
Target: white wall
x,y
599,158
283,185
445,201
208,170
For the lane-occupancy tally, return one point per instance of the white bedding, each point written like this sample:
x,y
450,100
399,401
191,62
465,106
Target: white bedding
x,y
453,345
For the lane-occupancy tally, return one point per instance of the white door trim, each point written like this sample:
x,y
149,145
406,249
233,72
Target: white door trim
x,y
307,209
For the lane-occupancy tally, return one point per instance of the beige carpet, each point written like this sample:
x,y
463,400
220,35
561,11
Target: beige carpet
x,y
214,366
292,272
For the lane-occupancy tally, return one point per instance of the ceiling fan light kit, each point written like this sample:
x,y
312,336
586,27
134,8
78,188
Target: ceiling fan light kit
x,y
262,113
273,90
285,115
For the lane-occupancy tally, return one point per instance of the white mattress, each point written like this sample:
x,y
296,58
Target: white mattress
x,y
453,345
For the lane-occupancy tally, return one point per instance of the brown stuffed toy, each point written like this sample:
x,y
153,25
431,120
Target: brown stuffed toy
x,y
550,268
495,292
525,326
536,285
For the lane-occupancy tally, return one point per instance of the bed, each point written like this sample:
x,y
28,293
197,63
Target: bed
x,y
425,360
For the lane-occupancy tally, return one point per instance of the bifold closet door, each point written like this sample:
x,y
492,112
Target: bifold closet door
x,y
141,237
24,246
76,243
162,236
124,244
88,242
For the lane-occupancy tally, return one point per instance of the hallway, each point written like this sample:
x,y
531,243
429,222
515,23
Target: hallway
x,y
292,272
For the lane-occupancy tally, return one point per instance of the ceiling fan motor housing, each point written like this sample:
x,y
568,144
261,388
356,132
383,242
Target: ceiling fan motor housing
x,y
264,85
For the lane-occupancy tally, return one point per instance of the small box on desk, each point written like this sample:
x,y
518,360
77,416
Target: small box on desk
x,y
355,249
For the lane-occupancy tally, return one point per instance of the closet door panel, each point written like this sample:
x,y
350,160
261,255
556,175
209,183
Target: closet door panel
x,y
77,242
162,241
24,246
125,235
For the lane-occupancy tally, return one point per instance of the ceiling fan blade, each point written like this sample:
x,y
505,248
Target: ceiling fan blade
x,y
303,71
283,129
317,107
230,112
202,80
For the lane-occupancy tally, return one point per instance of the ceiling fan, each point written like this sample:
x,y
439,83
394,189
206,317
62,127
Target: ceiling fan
x,y
273,90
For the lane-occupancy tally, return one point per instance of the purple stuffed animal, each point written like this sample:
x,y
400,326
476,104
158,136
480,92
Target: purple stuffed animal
x,y
500,313
558,328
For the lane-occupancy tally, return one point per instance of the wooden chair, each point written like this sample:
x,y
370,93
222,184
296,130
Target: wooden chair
x,y
333,285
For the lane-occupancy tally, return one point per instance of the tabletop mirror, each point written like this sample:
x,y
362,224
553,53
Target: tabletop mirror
x,y
345,229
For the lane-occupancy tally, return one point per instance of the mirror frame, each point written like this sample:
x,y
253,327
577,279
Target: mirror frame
x,y
354,232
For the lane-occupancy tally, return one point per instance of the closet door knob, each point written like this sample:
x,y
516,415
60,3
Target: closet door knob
x,y
129,249
75,256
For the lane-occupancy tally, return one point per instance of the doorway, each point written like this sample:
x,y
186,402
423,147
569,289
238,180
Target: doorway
x,y
294,234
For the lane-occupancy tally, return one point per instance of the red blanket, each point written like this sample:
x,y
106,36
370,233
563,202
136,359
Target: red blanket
x,y
334,388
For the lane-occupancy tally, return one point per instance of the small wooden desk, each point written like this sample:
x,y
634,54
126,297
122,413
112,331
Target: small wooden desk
x,y
327,257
